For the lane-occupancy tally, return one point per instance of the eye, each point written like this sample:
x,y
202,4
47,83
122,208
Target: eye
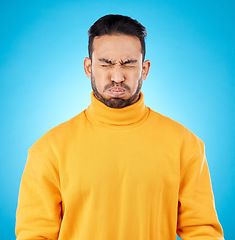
x,y
128,66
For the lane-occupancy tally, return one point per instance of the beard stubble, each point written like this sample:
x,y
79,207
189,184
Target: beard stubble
x,y
116,102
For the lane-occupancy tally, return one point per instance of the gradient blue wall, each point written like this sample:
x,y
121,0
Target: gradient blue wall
x,y
192,80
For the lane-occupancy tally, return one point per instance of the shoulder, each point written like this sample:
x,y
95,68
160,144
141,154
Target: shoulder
x,y
189,145
168,124
172,128
60,134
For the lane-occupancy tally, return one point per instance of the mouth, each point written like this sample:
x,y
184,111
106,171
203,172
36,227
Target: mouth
x,y
117,91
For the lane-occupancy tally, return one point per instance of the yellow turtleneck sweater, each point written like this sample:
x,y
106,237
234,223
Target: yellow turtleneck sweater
x,y
117,174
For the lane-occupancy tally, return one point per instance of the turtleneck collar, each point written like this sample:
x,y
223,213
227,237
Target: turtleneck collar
x,y
98,112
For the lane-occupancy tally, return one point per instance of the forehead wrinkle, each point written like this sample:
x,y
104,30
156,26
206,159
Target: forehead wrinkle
x,y
117,44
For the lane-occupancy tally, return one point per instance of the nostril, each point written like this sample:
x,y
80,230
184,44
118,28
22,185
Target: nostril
x,y
117,83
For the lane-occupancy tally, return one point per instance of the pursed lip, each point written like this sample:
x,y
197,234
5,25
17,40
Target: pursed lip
x,y
117,91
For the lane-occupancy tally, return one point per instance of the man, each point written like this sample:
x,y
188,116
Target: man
x,y
118,170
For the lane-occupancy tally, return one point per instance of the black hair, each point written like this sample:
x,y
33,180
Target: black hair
x,y
117,24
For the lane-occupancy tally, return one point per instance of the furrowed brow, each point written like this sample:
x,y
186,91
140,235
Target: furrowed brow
x,y
105,60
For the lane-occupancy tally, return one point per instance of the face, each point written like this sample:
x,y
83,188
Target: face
x,y
116,69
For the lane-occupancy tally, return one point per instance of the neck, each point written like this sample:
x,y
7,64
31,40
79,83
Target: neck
x,y
100,113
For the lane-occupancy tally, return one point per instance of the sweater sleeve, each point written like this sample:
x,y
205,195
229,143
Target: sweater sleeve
x,y
197,217
39,203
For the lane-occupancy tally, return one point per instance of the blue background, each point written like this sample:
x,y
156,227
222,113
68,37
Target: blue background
x,y
42,83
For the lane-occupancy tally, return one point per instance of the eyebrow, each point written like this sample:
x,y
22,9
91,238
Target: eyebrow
x,y
128,61
121,62
105,60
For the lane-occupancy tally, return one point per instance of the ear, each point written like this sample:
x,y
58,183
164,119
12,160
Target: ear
x,y
146,66
87,67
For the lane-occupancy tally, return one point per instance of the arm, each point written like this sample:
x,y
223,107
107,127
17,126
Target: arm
x,y
39,203
197,218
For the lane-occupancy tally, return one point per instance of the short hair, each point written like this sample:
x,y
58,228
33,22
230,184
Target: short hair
x,y
117,24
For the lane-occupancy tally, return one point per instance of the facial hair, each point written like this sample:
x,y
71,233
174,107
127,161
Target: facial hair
x,y
116,102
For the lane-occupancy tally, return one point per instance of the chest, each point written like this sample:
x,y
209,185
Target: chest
x,y
101,164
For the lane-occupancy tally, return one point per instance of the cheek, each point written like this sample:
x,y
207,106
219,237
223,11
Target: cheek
x,y
101,73
103,76
133,77
100,79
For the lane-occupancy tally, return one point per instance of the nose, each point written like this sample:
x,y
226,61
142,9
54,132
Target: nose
x,y
117,74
